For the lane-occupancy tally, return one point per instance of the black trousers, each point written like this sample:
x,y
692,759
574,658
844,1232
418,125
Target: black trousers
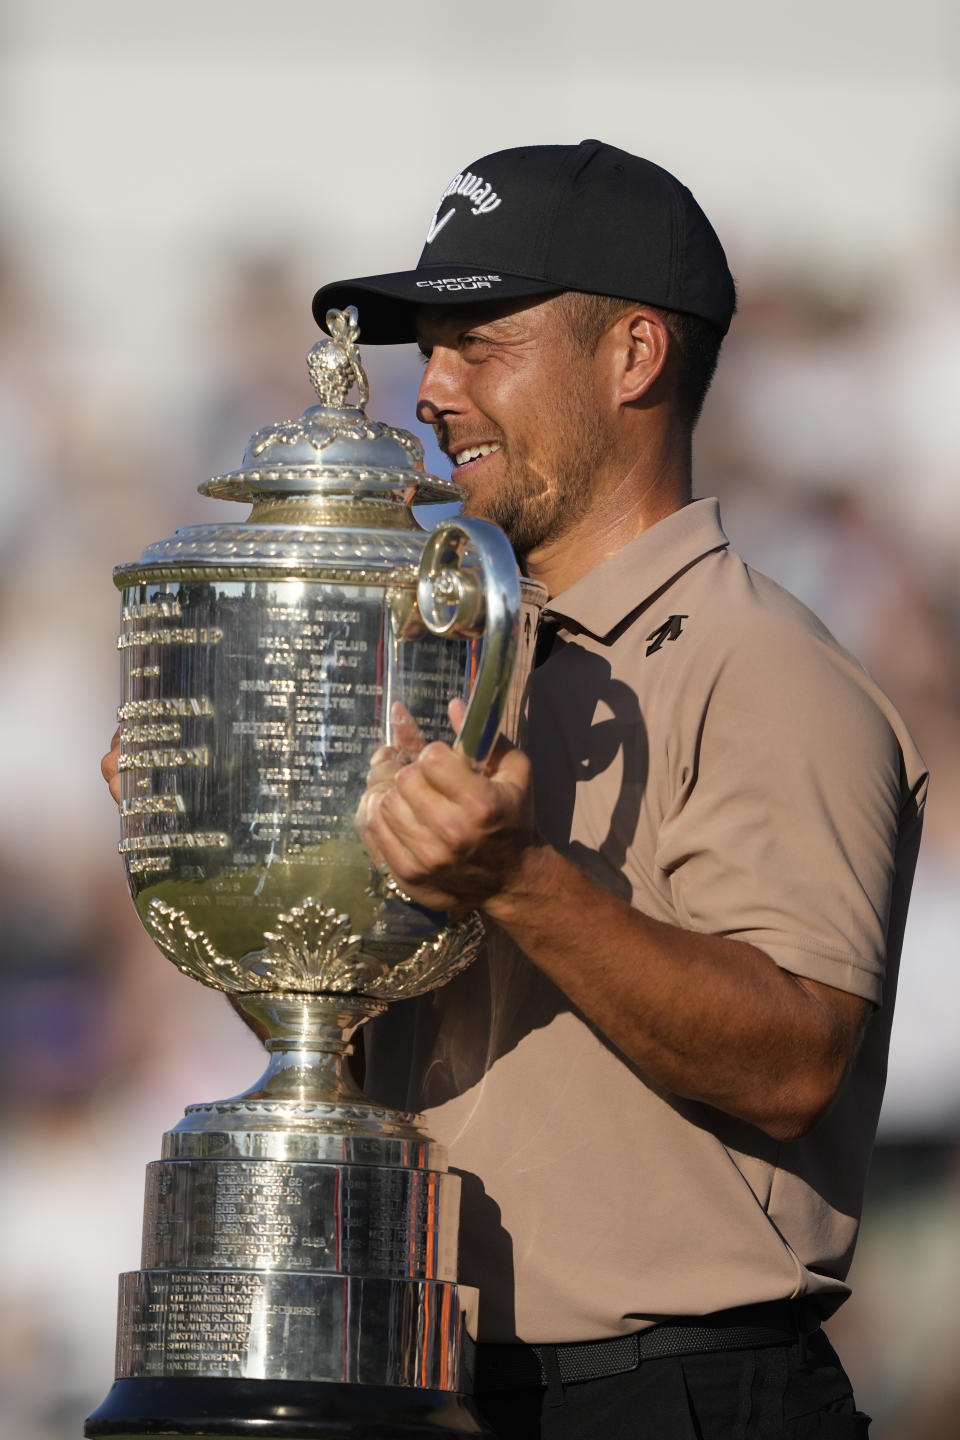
x,y
794,1391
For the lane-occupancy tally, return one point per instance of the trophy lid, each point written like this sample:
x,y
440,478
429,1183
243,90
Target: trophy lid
x,y
331,492
333,448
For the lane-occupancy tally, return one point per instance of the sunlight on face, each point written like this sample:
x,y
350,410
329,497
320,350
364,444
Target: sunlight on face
x,y
514,378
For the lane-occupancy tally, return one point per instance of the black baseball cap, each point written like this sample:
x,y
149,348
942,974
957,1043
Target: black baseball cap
x,y
545,218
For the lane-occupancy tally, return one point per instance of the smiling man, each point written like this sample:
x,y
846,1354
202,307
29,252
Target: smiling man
x,y
662,1081
531,450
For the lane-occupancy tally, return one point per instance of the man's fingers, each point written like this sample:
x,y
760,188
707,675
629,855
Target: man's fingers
x,y
510,766
424,821
449,773
362,822
396,844
384,764
109,767
405,731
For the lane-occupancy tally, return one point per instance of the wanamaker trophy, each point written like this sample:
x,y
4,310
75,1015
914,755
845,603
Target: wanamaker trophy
x,y
298,1273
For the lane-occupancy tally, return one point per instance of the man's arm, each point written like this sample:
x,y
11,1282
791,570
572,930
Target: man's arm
x,y
708,1018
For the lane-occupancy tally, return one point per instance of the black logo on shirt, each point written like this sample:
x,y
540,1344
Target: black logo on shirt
x,y
669,630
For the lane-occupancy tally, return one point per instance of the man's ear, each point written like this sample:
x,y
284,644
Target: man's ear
x,y
642,349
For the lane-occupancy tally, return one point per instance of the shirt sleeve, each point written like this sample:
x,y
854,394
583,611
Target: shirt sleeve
x,y
785,804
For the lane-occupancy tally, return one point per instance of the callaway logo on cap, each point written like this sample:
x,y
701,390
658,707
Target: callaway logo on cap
x,y
546,218
481,194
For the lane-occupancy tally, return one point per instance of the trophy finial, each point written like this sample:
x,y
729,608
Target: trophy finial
x,y
335,365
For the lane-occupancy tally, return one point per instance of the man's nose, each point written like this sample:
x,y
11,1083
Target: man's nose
x,y
440,392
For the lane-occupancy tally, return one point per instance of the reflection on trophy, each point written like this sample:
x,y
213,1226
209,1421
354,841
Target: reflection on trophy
x,y
300,1244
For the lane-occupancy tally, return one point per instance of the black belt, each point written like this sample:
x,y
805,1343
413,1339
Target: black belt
x,y
516,1367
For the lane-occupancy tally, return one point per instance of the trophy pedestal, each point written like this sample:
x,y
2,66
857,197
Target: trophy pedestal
x,y
290,1409
299,1260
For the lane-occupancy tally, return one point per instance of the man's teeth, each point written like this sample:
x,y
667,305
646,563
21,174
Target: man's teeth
x,y
474,453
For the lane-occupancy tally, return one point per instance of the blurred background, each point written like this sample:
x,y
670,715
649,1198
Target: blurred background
x,y
177,180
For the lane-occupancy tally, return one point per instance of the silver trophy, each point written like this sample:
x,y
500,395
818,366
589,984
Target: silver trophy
x,y
300,1244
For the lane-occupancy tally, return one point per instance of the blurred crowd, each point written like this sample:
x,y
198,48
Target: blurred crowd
x,y
832,439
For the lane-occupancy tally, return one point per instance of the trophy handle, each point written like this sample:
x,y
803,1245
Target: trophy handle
x,y
456,599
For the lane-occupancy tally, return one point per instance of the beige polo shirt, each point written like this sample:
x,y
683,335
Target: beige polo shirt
x,y
704,748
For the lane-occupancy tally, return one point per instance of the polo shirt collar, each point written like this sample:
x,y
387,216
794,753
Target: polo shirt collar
x,y
626,581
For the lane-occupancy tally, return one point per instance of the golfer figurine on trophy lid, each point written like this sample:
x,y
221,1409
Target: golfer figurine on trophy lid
x,y
300,1243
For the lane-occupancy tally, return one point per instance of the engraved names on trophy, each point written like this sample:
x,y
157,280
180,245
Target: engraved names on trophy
x,y
256,1213
191,1322
309,718
260,1324
164,738
357,1219
303,720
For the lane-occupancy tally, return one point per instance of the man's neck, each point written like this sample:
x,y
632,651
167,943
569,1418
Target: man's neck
x,y
616,515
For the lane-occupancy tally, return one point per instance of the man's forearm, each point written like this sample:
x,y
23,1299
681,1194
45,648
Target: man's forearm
x,y
710,1019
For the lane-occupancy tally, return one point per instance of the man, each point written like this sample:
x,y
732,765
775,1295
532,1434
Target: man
x,y
661,1081
661,1085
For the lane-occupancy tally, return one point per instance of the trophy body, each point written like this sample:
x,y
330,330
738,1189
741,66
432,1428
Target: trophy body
x,y
299,1257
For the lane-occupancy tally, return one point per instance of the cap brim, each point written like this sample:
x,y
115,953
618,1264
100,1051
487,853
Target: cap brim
x,y
387,305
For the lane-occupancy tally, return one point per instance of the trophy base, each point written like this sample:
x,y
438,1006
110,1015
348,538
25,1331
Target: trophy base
x,y
282,1410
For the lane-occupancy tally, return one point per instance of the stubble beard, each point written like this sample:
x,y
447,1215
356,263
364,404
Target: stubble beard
x,y
537,506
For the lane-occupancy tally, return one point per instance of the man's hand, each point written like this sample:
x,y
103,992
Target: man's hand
x,y
385,764
451,837
110,767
